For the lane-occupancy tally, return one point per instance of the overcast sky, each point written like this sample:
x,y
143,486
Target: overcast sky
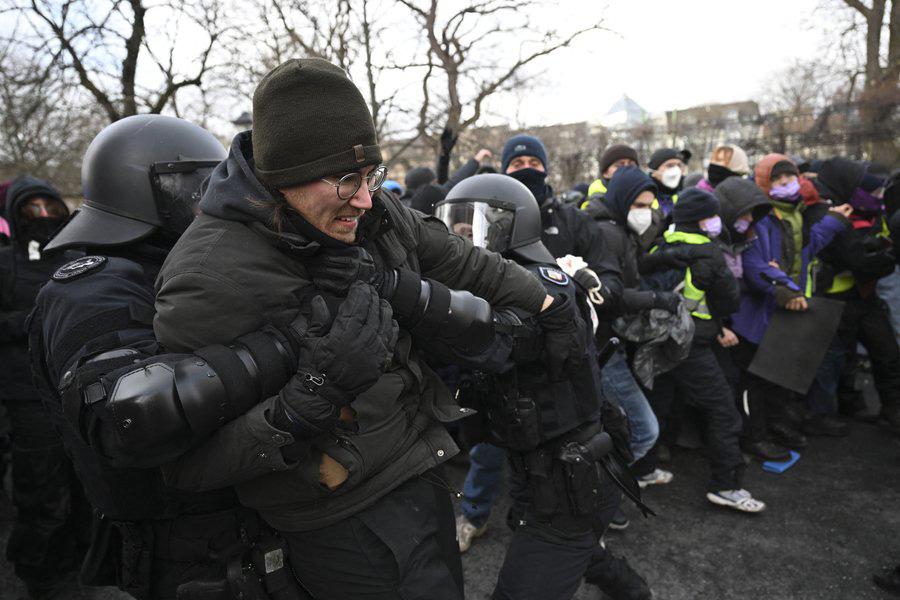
x,y
675,54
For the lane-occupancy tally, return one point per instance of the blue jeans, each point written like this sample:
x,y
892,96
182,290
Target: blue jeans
x,y
889,290
618,384
483,482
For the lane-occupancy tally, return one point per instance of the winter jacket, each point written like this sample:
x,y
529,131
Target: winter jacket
x,y
761,278
231,273
738,197
24,269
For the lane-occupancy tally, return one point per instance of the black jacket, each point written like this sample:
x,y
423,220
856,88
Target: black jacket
x,y
567,230
231,273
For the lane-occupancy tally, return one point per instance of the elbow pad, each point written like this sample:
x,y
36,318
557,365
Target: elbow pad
x,y
430,310
168,403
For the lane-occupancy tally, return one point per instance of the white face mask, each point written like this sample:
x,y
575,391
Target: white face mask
x,y
671,177
640,219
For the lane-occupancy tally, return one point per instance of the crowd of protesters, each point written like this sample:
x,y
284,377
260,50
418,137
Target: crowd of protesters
x,y
744,300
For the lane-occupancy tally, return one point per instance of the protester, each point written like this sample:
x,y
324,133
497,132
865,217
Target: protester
x,y
668,167
725,161
50,534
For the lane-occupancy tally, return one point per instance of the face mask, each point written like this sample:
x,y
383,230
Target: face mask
x,y
712,226
671,177
534,180
39,230
716,174
640,219
789,191
742,225
865,202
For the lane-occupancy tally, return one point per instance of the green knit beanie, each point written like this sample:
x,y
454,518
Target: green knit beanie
x,y
310,121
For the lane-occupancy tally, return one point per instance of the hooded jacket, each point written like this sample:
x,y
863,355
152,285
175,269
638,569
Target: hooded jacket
x,y
775,243
231,273
738,197
23,270
861,255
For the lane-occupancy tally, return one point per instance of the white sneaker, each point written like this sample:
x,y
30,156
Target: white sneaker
x,y
466,533
740,500
657,477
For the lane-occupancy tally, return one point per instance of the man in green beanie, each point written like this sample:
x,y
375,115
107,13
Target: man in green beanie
x,y
295,231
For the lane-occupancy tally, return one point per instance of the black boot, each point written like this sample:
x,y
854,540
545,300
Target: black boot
x,y
615,577
766,450
826,426
787,436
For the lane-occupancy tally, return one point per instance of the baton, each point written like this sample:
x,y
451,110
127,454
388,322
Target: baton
x,y
608,349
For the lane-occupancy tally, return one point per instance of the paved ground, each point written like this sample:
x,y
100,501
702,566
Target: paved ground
x,y
832,520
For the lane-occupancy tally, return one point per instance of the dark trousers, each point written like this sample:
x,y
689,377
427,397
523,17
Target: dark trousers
x,y
700,383
867,321
401,548
52,529
552,550
760,402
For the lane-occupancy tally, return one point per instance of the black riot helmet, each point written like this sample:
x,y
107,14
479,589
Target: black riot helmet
x,y
498,213
141,175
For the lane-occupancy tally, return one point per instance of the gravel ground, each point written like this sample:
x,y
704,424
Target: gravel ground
x,y
832,520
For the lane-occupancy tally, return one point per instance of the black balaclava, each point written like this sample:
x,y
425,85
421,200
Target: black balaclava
x,y
716,174
535,181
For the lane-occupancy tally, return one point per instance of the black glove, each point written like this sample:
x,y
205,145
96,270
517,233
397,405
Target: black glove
x,y
565,336
335,270
680,256
669,301
448,140
348,359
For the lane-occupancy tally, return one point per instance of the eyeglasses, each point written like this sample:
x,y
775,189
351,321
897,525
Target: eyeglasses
x,y
347,186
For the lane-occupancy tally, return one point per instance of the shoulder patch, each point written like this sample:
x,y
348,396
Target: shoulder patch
x,y
78,267
554,275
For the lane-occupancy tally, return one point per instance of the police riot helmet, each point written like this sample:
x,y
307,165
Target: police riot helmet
x,y
498,213
141,175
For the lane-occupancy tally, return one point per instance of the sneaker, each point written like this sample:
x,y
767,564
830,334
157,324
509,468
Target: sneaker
x,y
740,500
657,477
466,533
619,521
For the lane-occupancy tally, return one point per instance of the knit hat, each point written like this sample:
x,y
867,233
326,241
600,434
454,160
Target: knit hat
x,y
523,145
418,177
784,167
870,182
614,153
733,157
310,121
663,154
625,186
694,205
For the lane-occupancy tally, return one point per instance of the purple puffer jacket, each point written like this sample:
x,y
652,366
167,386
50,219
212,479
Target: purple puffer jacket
x,y
758,300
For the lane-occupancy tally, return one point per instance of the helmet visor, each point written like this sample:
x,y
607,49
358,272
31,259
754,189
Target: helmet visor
x,y
176,187
486,225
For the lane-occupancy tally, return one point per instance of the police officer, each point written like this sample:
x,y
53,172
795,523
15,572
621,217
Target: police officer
x,y
47,540
546,415
124,407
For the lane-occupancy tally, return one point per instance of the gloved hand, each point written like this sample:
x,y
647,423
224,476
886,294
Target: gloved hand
x,y
669,301
348,359
335,270
565,336
679,256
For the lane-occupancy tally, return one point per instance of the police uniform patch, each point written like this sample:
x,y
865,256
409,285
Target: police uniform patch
x,y
78,267
554,275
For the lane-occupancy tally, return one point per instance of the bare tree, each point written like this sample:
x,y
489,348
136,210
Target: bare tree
x,y
126,61
881,89
464,56
44,125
